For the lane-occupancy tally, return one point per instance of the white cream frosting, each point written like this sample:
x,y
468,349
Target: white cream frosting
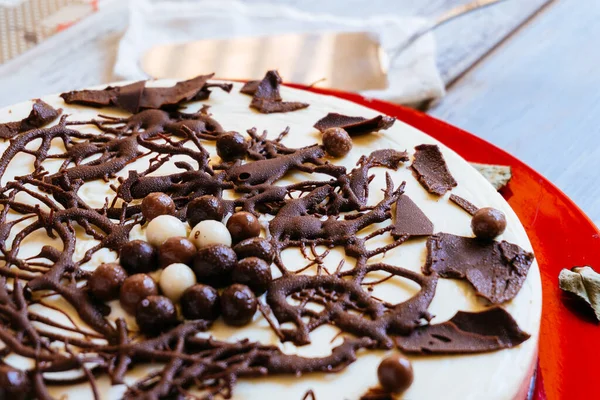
x,y
497,375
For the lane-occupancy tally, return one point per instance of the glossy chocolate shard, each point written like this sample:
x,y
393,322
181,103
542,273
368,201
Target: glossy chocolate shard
x,y
41,114
431,170
137,96
266,97
355,126
410,219
464,204
466,332
496,270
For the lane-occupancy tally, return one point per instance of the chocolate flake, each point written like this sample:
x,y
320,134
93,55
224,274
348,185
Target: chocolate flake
x,y
410,220
355,126
496,270
466,332
250,87
136,96
266,98
41,114
464,204
431,170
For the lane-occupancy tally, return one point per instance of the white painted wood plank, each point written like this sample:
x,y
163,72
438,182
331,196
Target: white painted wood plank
x,y
537,97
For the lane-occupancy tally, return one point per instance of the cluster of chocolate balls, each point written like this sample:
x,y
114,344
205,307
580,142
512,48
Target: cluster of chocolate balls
x,y
217,270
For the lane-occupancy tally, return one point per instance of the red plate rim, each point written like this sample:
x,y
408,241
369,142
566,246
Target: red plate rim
x,y
562,237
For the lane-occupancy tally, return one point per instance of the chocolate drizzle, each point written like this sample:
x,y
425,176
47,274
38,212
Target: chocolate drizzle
x,y
355,126
308,214
431,170
496,270
41,114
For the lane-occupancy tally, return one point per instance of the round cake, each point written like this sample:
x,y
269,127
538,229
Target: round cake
x,y
252,241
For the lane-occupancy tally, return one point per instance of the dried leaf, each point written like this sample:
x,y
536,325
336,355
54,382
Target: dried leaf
x,y
583,282
497,175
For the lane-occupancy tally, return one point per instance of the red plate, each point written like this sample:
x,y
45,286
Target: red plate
x,y
562,237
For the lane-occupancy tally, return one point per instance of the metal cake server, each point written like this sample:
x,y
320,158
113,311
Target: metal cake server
x,y
351,61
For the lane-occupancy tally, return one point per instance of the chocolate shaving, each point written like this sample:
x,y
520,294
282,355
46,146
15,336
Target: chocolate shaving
x,y
431,170
465,333
41,114
410,220
464,204
355,126
266,98
376,394
496,270
136,96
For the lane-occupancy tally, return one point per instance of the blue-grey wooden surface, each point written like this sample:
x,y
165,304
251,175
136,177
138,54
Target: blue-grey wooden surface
x,y
538,97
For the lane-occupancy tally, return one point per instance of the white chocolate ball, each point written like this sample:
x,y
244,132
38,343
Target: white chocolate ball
x,y
163,227
175,279
210,232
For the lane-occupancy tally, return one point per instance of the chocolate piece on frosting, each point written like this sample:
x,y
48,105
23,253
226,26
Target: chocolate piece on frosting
x,y
266,98
41,114
136,96
410,219
496,270
466,332
431,170
355,126
464,204
250,87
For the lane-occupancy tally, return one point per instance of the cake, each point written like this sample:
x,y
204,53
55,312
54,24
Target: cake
x,y
388,266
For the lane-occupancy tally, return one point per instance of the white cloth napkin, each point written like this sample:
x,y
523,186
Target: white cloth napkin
x,y
413,76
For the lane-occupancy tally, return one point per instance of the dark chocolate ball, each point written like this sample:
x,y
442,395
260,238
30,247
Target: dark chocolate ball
x,y
135,289
395,373
487,223
176,250
254,273
337,142
255,247
203,208
213,264
138,256
106,280
238,305
14,383
231,146
156,204
200,302
155,314
243,225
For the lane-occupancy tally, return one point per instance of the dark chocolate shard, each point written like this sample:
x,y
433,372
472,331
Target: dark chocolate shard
x,y
136,96
250,87
267,99
410,219
431,170
41,114
355,126
496,270
466,332
464,204
376,393
388,158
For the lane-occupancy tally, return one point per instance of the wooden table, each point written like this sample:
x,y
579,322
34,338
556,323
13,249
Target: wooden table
x,y
520,74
